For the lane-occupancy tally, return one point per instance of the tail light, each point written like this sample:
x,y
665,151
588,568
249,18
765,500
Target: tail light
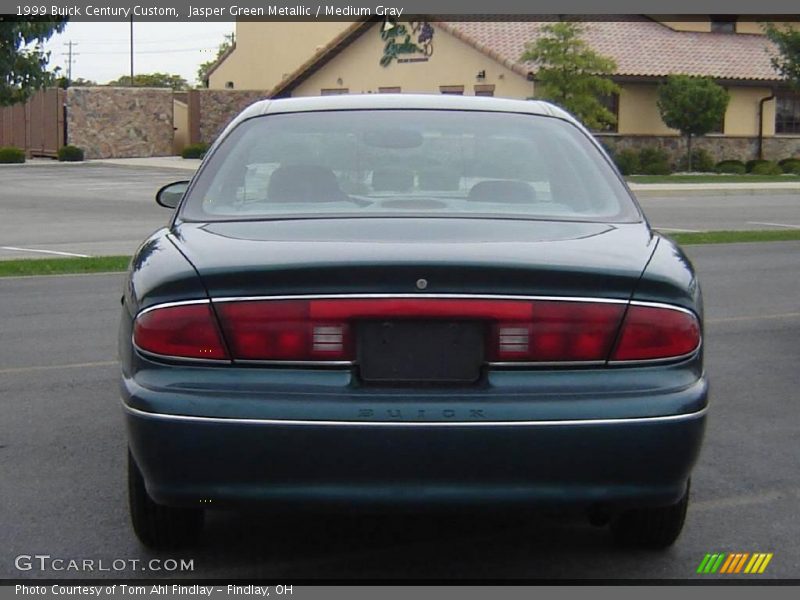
x,y
284,330
651,332
324,329
184,331
558,332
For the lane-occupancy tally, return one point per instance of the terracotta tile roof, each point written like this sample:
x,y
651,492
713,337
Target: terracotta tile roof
x,y
640,46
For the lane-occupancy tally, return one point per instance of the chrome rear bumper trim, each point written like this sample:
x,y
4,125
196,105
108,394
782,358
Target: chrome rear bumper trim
x,y
318,423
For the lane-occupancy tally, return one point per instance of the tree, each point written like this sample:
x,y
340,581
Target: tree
x,y
787,62
78,82
692,105
23,68
570,73
156,80
81,82
204,68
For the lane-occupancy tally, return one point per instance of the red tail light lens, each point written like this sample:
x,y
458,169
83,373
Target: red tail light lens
x,y
651,333
517,331
283,330
324,329
186,331
558,332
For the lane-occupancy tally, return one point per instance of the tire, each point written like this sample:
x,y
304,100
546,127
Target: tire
x,y
654,527
157,526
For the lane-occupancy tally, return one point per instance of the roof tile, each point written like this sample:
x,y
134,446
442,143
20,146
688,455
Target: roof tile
x,y
640,47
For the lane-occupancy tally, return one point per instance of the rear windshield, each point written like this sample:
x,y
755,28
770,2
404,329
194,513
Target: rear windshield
x,y
407,163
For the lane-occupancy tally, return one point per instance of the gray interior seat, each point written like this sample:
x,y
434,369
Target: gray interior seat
x,y
503,191
392,180
304,183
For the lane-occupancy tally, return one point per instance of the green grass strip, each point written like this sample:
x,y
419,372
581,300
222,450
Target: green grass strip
x,y
63,266
712,178
735,237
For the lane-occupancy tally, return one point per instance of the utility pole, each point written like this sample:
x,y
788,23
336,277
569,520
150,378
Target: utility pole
x,y
70,59
131,48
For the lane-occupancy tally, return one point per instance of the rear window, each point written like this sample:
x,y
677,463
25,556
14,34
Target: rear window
x,y
407,163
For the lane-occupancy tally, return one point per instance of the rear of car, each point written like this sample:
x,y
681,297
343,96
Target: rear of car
x,y
410,301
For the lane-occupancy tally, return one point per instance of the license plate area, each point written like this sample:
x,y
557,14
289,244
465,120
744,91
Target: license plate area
x,y
407,352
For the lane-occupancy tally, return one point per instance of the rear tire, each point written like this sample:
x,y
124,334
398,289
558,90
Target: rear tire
x,y
157,526
655,527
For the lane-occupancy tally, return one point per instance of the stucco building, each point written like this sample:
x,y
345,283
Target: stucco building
x,y
484,58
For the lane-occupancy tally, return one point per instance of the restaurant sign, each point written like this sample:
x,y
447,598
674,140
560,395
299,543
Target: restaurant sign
x,y
405,43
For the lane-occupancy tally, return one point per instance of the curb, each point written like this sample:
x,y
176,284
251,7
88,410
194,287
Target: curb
x,y
678,192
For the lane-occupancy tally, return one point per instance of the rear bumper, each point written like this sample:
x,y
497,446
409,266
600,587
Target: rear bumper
x,y
222,461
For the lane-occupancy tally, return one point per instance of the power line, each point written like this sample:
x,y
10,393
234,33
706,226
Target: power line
x,y
169,50
214,40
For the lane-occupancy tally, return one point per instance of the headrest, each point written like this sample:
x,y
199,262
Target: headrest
x,y
303,183
392,180
503,192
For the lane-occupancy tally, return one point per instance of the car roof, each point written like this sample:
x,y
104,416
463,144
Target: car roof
x,y
403,101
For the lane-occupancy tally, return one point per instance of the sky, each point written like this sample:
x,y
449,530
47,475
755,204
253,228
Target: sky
x,y
102,50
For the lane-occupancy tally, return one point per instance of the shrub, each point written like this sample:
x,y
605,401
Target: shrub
x,y
9,154
731,166
627,162
750,164
766,167
701,162
70,153
654,161
195,150
790,165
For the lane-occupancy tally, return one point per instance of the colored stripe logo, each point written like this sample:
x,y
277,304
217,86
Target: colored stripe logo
x,y
734,562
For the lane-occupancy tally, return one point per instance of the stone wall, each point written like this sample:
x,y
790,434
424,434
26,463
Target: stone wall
x,y
120,122
214,109
719,147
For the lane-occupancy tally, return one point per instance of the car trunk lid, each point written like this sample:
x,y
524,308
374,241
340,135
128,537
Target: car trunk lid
x,y
410,255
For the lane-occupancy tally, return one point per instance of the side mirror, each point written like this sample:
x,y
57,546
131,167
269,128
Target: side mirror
x,y
170,195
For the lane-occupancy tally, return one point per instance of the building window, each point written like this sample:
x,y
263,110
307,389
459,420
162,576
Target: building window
x,y
723,23
228,85
334,91
611,103
455,90
484,90
787,114
389,90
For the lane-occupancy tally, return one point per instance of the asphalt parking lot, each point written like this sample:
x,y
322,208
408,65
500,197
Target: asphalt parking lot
x,y
62,453
79,209
102,209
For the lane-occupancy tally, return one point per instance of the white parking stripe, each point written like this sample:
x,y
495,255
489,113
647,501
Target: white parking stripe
x,y
788,226
105,363
15,249
676,229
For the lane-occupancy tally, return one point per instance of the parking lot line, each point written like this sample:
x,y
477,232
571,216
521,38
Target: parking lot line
x,y
10,370
675,229
15,249
789,315
788,226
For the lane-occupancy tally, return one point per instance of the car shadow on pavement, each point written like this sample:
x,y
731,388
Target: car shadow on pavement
x,y
430,545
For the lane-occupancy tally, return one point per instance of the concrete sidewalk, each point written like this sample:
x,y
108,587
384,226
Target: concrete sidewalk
x,y
654,190
156,162
643,190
